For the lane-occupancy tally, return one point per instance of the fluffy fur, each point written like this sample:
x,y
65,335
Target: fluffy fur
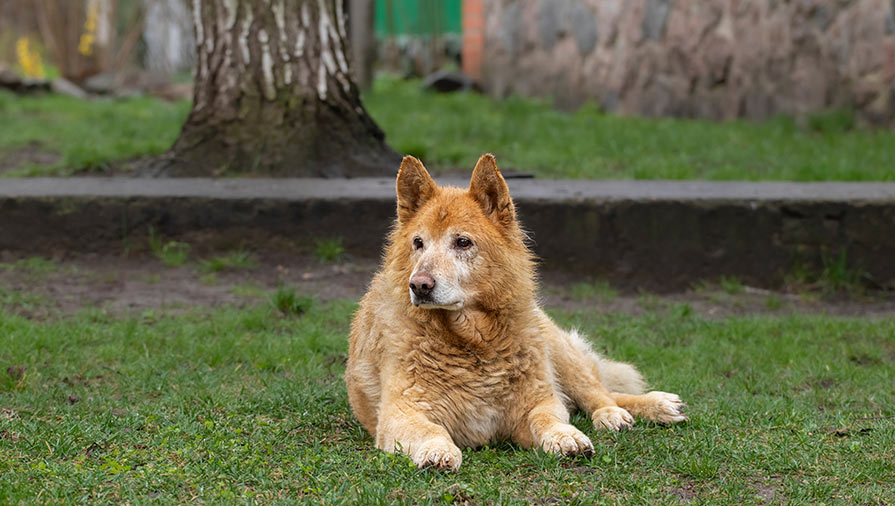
x,y
449,348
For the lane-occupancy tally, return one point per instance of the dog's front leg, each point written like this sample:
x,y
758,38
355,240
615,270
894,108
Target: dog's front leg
x,y
403,427
547,426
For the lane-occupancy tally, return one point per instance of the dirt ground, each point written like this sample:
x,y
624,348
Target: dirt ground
x,y
134,284
32,153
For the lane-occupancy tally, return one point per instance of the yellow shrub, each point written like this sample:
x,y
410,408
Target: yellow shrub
x,y
29,59
85,45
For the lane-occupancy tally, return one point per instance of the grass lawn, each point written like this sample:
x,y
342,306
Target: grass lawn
x,y
241,404
54,135
450,131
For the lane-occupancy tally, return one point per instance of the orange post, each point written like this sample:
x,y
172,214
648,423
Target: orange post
x,y
473,37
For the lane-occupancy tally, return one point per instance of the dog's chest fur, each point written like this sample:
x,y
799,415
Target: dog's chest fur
x,y
469,393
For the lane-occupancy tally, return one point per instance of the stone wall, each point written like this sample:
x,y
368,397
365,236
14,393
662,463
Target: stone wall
x,y
715,59
657,235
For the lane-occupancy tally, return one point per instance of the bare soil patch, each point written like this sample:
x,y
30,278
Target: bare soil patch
x,y
136,283
32,153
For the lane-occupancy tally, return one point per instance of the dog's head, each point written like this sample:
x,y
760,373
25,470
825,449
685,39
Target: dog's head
x,y
458,248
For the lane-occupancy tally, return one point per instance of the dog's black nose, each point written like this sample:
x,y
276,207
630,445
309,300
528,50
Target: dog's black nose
x,y
422,284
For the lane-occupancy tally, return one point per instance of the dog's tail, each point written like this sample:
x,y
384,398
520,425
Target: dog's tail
x,y
617,377
620,378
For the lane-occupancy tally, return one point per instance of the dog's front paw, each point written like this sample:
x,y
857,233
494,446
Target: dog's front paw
x,y
565,439
612,418
666,408
438,453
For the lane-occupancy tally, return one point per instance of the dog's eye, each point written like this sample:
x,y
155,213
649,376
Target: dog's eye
x,y
462,243
417,243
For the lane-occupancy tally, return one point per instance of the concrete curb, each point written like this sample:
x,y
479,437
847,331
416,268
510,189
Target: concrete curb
x,y
655,234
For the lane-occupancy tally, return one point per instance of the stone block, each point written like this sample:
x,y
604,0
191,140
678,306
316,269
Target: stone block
x,y
747,58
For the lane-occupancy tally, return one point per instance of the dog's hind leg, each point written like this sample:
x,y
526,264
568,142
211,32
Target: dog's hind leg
x,y
657,406
622,383
577,368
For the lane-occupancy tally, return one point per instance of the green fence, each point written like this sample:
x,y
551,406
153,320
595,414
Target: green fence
x,y
417,17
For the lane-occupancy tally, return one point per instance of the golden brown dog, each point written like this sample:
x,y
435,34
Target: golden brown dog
x,y
450,349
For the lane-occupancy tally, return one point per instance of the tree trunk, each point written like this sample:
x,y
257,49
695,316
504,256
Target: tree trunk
x,y
274,96
361,24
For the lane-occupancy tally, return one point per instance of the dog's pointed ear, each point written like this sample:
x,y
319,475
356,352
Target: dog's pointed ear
x,y
490,190
415,186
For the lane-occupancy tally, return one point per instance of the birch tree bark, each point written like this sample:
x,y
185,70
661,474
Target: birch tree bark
x,y
274,95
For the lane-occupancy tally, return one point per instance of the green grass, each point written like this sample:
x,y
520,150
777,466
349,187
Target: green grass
x,y
450,131
245,406
170,253
838,275
731,285
773,302
85,134
209,279
239,259
287,302
173,253
251,289
22,301
35,266
600,290
329,250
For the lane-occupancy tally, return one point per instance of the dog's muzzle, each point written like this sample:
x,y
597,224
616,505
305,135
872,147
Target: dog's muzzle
x,y
422,284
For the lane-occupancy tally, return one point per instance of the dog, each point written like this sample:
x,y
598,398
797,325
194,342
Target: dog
x,y
449,348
